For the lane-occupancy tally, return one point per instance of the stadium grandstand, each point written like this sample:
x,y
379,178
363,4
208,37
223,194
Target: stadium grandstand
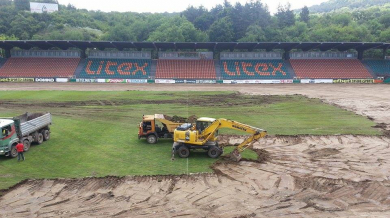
x,y
178,61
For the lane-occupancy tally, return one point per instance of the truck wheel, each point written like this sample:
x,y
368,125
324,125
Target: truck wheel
x,y
27,145
40,138
46,135
214,152
183,152
151,139
13,153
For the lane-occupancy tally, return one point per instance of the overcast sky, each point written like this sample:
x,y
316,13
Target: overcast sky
x,y
171,5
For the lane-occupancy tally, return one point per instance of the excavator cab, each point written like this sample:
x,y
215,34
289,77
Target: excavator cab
x,y
202,124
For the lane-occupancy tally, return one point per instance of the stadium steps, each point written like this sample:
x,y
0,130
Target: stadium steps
x,y
153,69
80,67
369,70
217,65
2,61
290,69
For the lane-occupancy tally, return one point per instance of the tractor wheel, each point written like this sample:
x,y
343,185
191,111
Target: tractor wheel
x,y
214,152
46,135
151,139
183,152
27,145
13,153
40,138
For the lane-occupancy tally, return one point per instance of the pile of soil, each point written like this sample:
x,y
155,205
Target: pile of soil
x,y
178,119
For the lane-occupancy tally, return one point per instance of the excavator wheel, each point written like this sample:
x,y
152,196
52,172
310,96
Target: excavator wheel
x,y
214,152
183,151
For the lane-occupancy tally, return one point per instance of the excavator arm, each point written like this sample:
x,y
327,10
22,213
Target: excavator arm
x,y
256,134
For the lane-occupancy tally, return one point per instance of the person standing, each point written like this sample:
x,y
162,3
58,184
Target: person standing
x,y
20,150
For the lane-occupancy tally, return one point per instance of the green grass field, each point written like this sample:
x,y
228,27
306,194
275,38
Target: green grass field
x,y
95,133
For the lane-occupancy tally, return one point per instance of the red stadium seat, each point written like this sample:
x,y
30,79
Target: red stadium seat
x,y
39,67
330,69
185,69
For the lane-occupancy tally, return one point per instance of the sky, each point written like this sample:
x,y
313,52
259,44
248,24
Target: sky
x,y
160,6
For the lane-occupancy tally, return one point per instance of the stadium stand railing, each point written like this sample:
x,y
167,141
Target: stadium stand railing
x,y
43,67
185,69
104,68
329,69
378,67
255,70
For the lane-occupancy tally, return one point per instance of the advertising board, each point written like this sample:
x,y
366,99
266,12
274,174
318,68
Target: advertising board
x,y
353,81
86,80
37,7
317,81
169,81
62,80
45,80
136,81
19,80
257,81
115,81
206,81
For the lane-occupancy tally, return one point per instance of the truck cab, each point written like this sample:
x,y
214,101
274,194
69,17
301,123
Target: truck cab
x,y
8,137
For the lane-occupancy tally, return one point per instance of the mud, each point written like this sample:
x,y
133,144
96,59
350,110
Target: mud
x,y
302,176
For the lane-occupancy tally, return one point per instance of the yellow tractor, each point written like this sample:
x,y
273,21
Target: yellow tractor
x,y
204,135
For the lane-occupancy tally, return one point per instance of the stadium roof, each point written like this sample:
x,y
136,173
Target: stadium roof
x,y
305,46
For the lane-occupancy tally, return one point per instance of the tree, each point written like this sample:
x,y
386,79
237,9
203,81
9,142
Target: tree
x,y
5,3
285,15
385,20
120,33
385,36
22,5
254,34
221,30
304,15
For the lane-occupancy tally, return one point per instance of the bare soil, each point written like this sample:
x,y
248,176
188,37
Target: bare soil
x,y
302,176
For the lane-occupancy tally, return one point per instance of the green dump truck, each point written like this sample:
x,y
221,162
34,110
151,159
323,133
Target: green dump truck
x,y
29,128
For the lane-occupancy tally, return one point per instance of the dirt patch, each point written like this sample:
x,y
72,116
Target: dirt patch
x,y
178,119
325,152
349,176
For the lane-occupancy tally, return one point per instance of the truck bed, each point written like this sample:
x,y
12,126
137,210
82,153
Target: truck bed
x,y
30,123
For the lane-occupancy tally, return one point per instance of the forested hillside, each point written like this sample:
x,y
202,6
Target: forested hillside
x,y
339,5
224,22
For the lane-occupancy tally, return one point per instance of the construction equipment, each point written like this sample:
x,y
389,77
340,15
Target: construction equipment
x,y
205,135
150,130
27,128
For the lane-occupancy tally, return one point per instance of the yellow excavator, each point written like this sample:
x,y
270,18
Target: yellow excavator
x,y
204,135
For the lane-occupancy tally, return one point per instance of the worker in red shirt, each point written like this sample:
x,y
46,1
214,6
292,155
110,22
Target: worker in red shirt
x,y
20,150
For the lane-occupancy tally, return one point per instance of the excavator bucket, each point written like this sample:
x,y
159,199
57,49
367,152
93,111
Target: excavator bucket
x,y
235,156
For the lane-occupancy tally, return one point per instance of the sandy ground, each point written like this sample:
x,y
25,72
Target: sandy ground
x,y
304,176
